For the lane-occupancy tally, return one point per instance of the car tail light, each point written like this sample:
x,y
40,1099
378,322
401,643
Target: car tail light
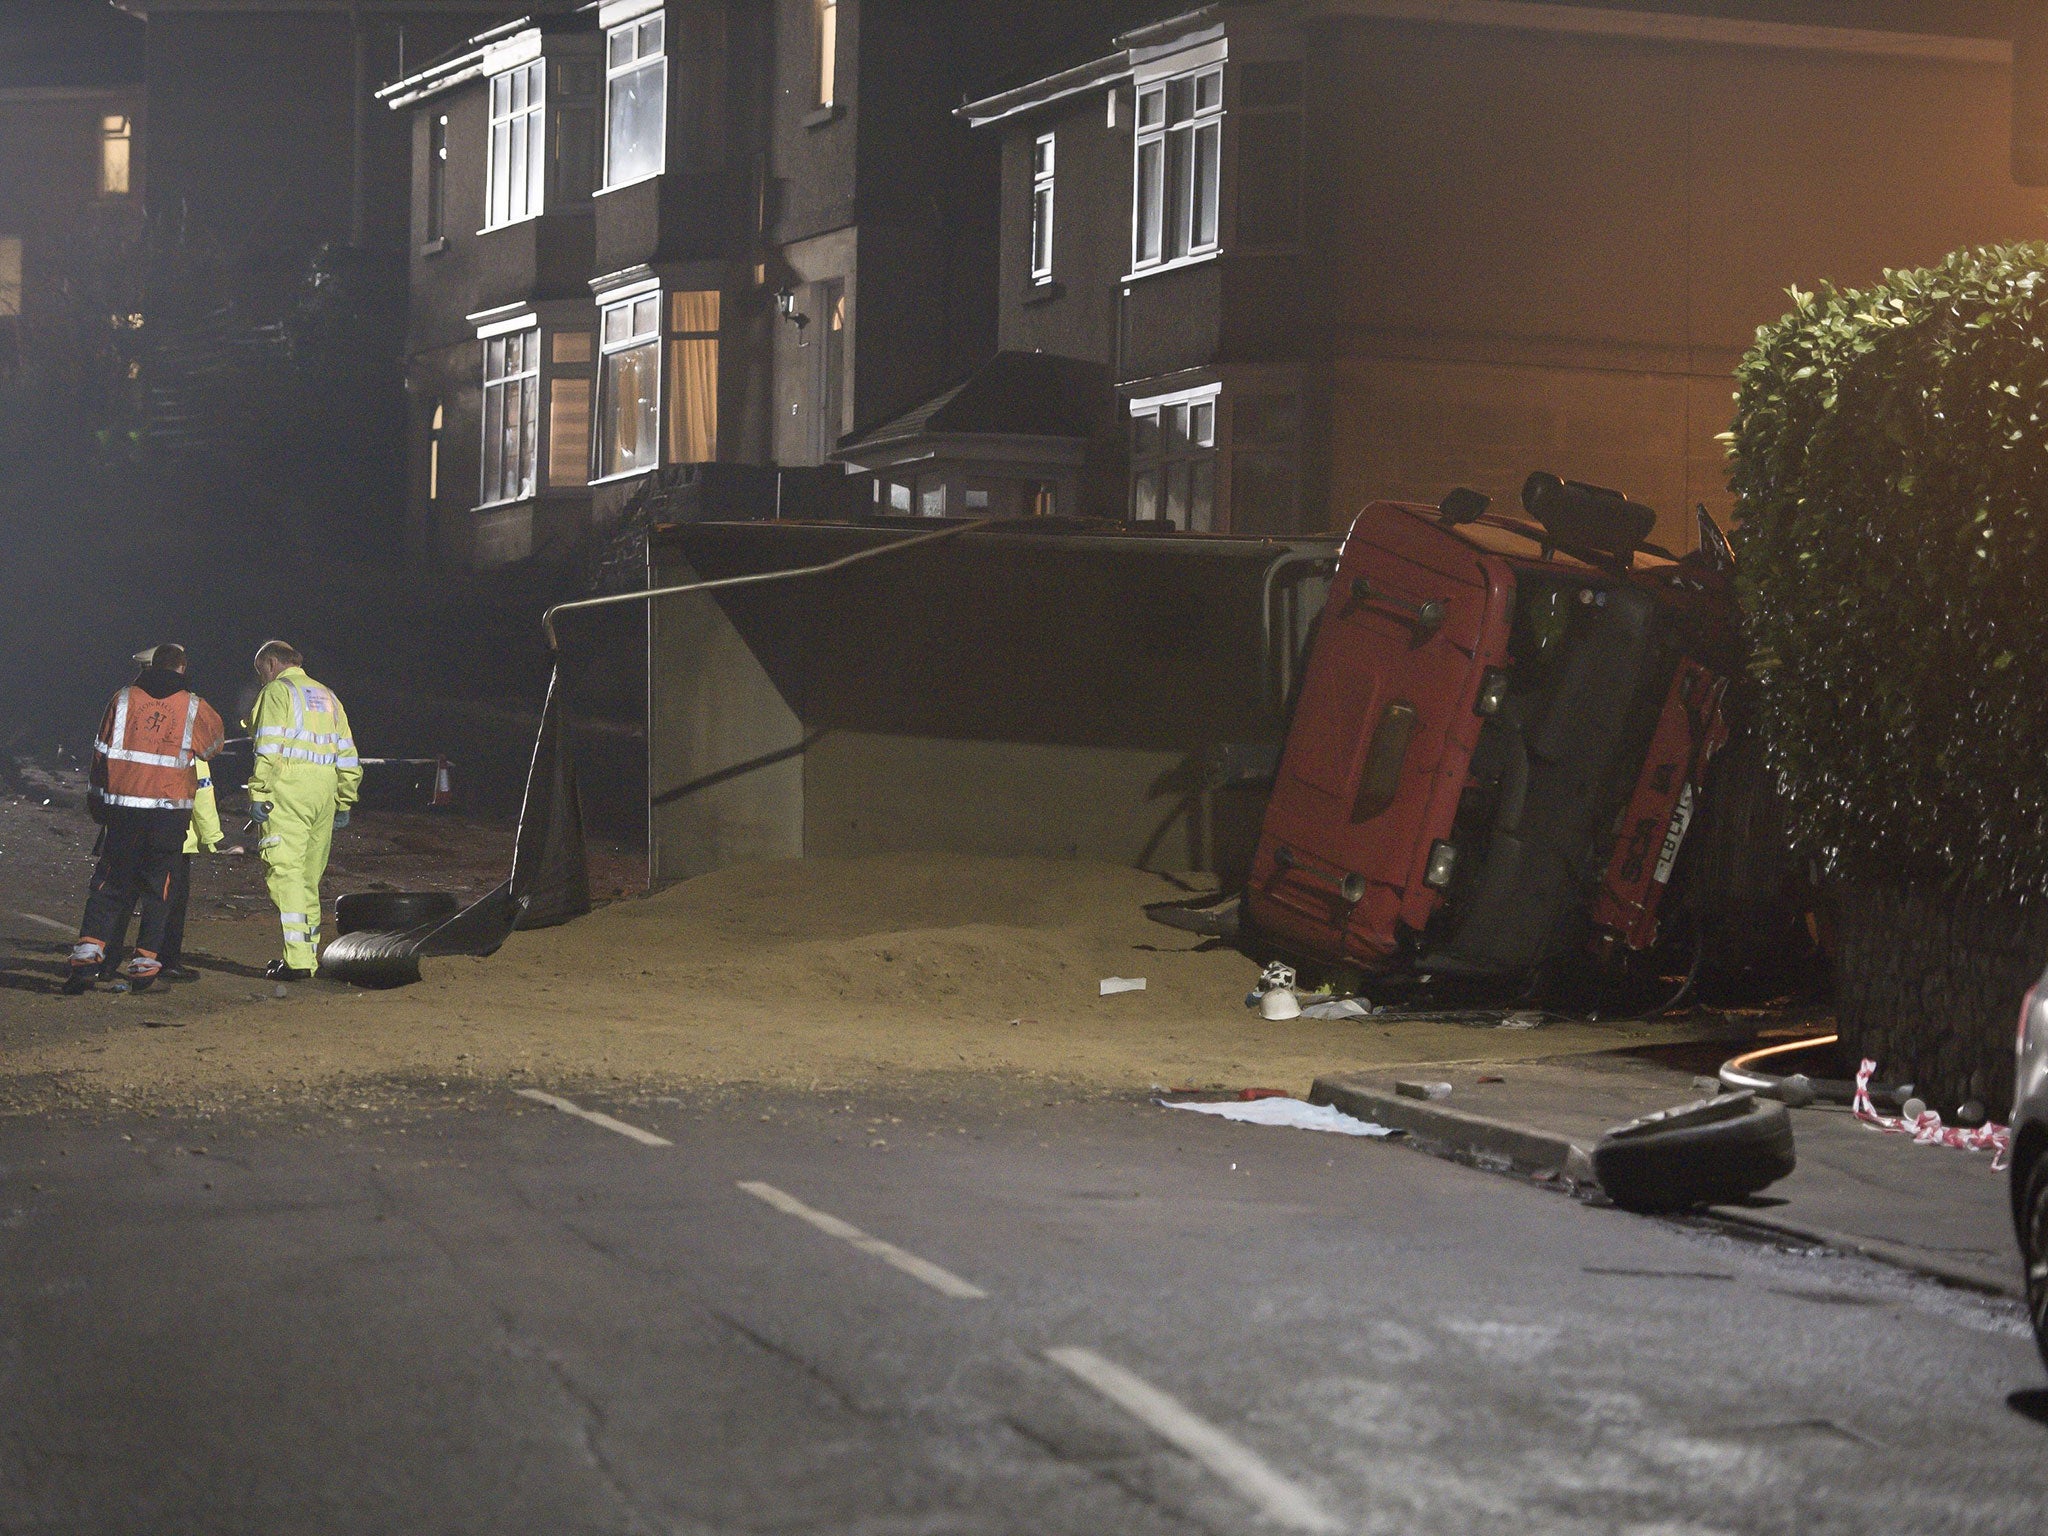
x,y
1443,862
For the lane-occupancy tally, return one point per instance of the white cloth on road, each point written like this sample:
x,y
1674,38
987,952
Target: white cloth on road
x,y
1288,1112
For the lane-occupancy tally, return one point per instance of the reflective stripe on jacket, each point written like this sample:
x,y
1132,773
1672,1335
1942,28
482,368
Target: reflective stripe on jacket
x,y
148,749
300,731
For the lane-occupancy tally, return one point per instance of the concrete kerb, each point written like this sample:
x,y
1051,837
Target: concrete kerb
x,y
1506,1147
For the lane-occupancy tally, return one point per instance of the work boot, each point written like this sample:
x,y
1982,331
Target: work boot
x,y
140,971
81,979
88,965
277,970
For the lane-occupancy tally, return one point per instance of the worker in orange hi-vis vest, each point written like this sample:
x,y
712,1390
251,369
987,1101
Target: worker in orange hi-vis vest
x,y
145,776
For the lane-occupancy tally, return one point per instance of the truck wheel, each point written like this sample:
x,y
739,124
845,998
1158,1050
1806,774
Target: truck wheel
x,y
1706,1154
392,911
2034,1248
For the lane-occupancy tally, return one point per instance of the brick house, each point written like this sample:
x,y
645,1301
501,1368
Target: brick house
x,y
659,238
1332,250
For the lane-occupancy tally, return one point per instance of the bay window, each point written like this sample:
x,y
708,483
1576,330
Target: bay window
x,y
635,102
1041,208
569,409
693,377
1173,460
1178,169
518,160
511,448
629,386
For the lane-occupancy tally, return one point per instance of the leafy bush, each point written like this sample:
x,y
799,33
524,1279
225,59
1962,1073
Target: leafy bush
x,y
1891,470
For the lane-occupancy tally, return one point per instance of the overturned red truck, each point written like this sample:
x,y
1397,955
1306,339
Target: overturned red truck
x,y
1499,740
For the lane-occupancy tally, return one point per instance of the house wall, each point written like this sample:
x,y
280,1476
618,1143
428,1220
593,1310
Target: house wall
x,y
1556,248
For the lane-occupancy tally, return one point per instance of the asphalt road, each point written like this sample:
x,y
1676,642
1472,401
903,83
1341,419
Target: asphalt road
x,y
463,1311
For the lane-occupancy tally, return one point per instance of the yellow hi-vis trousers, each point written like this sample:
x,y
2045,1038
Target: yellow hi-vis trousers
x,y
294,847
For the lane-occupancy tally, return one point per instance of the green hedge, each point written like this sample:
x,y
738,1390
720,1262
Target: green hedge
x,y
1890,463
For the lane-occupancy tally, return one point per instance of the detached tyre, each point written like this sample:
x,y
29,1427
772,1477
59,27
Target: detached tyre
x,y
1709,1153
392,911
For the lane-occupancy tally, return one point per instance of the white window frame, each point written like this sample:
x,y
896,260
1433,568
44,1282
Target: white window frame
x,y
1177,157
522,387
643,57
526,127
825,60
1043,149
1198,444
117,154
650,337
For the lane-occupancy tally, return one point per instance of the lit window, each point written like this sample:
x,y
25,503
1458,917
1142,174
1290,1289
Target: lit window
x,y
635,102
437,176
1041,209
518,168
1173,462
693,377
434,453
1179,161
117,138
828,51
10,275
629,387
568,409
511,415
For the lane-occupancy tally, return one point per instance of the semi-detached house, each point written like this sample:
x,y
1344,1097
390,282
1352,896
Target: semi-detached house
x,y
651,236
1323,251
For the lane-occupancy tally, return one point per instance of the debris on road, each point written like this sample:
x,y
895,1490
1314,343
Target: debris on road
x,y
1292,1113
1924,1125
1710,1152
1415,1090
1114,984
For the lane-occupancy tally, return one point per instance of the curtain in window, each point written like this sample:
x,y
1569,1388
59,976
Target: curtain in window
x,y
693,401
630,389
568,432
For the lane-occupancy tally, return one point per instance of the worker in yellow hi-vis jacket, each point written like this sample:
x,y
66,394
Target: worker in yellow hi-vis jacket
x,y
306,778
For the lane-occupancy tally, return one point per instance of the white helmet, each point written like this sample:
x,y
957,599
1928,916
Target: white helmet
x,y
1279,1003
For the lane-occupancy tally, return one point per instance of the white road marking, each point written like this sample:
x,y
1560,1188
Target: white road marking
x,y
1281,1501
595,1117
941,1280
50,923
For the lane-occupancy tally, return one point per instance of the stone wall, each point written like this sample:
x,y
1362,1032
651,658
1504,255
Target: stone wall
x,y
1929,986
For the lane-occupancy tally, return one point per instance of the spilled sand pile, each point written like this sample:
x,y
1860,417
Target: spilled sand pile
x,y
801,973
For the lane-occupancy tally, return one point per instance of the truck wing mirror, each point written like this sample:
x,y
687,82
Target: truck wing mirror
x,y
1463,505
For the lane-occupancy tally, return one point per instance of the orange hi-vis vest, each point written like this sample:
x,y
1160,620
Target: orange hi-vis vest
x,y
147,748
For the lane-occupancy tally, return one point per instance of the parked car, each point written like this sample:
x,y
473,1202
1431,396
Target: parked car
x,y
1499,740
2030,1155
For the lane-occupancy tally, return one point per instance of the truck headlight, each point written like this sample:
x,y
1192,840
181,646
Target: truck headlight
x,y
1493,692
1443,859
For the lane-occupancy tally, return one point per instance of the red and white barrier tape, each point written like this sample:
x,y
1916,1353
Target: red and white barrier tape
x,y
1926,1128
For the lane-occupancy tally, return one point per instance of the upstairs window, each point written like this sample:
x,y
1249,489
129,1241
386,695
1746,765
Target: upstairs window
x,y
826,28
437,177
635,102
518,168
117,138
1041,209
1174,203
511,416
629,387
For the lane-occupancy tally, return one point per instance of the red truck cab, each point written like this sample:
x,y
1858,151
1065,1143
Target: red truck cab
x,y
1498,740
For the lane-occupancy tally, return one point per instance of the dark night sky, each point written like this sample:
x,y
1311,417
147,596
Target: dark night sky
x,y
68,42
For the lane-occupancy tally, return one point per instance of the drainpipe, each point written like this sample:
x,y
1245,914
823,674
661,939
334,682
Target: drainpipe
x,y
358,124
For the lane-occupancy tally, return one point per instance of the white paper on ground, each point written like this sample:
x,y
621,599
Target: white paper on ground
x,y
1122,984
1338,1008
1288,1112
